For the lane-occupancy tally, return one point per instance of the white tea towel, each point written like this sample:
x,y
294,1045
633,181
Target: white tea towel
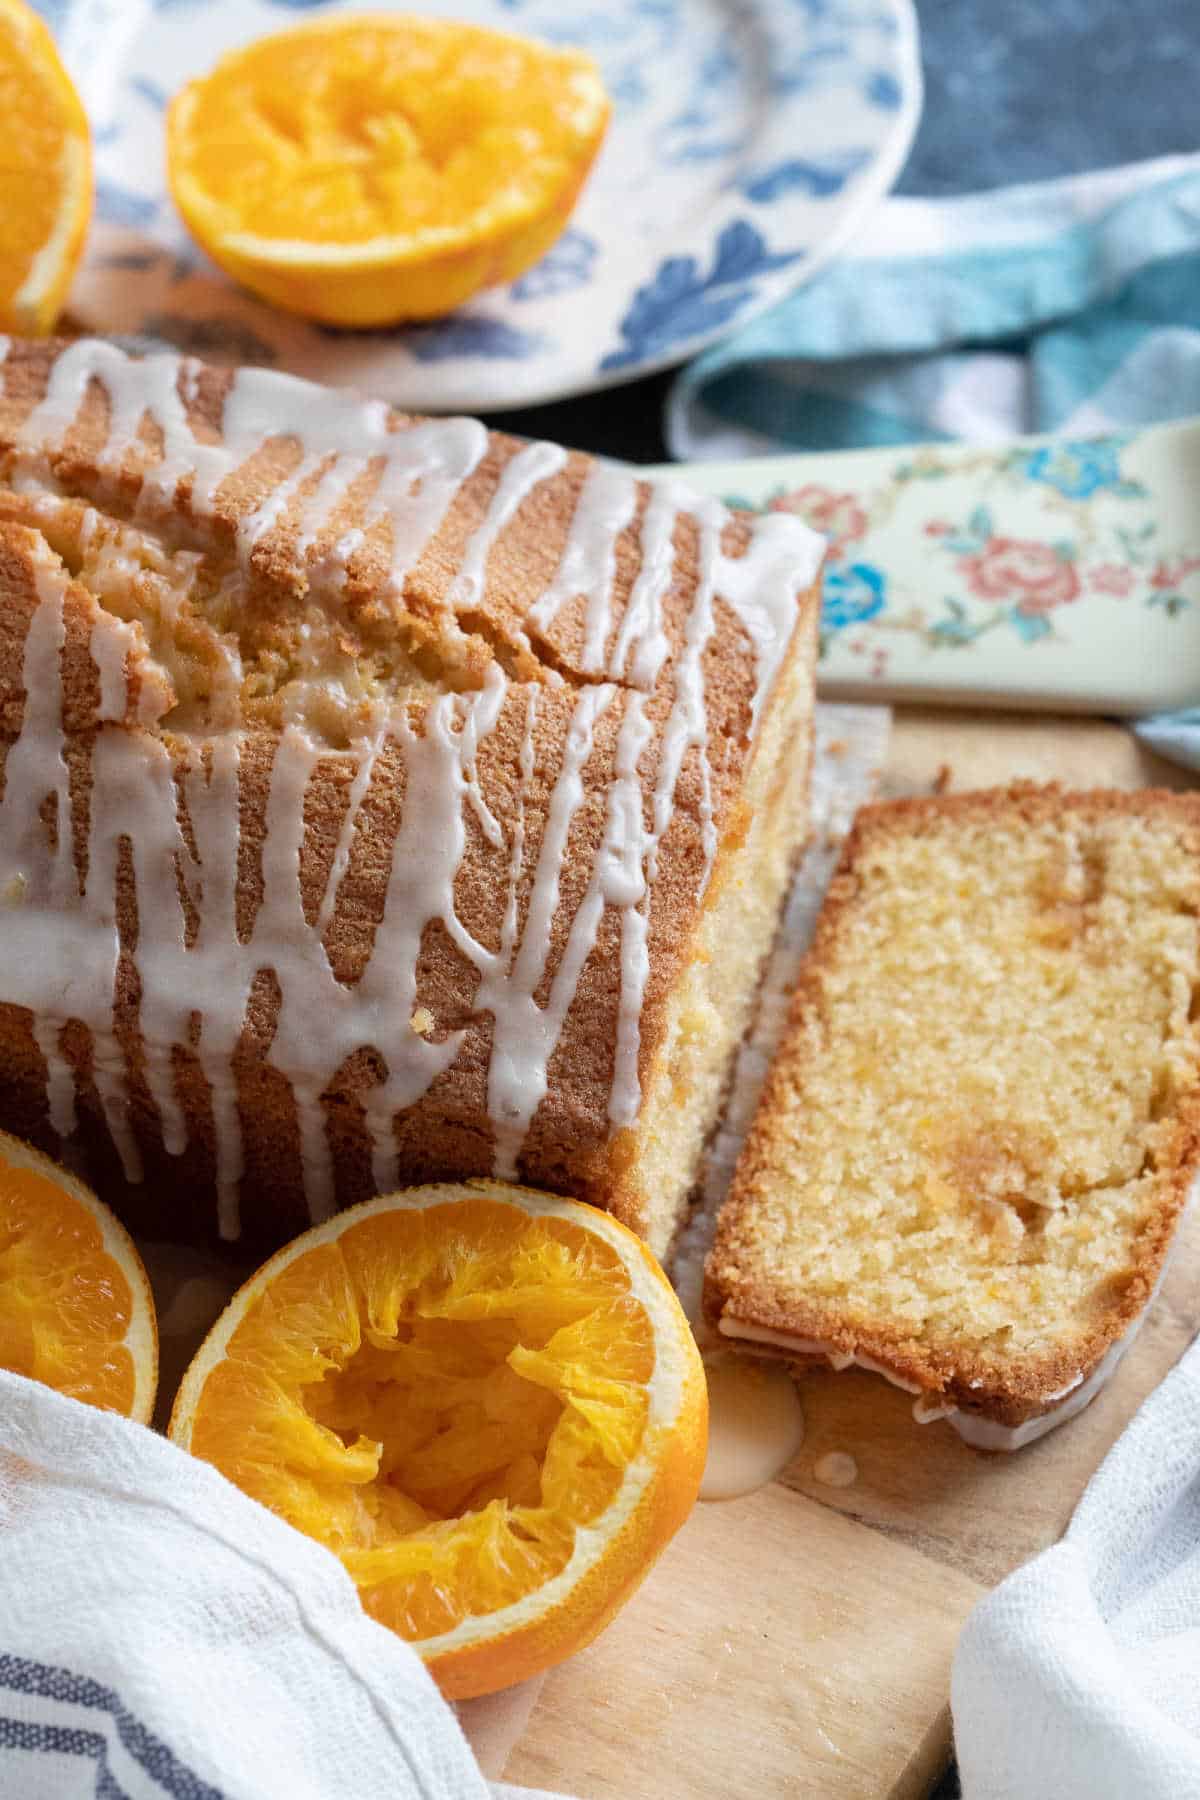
x,y
163,1635
1079,1677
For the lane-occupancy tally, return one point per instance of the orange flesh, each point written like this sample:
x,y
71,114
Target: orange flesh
x,y
442,1396
384,127
45,179
65,1305
34,145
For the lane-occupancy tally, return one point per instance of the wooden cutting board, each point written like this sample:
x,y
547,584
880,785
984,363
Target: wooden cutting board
x,y
798,1641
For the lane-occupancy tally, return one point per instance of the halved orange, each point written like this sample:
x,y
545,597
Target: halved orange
x,y
45,174
75,1306
367,169
486,1400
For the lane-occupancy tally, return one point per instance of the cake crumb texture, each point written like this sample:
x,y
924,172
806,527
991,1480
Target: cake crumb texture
x,y
979,1133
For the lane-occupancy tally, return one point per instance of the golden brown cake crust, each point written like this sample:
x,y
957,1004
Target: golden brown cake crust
x,y
521,565
740,1291
331,568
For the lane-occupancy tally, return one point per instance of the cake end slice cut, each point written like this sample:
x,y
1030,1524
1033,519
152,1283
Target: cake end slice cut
x,y
978,1137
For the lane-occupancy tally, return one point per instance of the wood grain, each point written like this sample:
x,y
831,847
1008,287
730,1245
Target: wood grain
x,y
798,1642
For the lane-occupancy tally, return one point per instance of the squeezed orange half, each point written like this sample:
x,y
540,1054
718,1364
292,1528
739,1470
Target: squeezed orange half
x,y
365,170
487,1401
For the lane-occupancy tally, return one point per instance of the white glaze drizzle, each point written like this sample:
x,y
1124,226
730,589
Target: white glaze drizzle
x,y
66,943
109,646
367,755
587,567
421,467
60,1082
533,464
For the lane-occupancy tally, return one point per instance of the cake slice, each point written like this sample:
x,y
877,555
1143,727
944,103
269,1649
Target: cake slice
x,y
978,1137
381,799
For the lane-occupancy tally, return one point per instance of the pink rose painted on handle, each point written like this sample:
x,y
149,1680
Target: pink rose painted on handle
x,y
1034,575
838,516
1173,570
1112,578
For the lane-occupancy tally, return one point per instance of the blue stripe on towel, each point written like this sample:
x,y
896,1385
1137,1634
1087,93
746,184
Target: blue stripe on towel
x,y
30,1736
41,1681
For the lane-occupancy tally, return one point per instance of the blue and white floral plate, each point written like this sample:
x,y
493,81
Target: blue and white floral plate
x,y
749,139
1046,572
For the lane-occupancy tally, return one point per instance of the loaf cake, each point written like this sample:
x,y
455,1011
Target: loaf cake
x,y
383,799
975,1144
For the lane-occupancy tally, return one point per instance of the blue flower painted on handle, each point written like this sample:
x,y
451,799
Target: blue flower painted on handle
x,y
1080,468
852,594
680,303
1029,626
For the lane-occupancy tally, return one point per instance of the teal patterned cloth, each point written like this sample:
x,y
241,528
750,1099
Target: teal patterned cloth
x,y
1070,305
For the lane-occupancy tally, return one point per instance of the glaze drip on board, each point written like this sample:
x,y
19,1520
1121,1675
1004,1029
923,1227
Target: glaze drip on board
x,y
755,1425
63,948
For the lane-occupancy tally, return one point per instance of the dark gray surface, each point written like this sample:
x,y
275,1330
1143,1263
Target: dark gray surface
x,y
1018,90
1015,90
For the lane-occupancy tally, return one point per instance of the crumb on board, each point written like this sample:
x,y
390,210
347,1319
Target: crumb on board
x,y
943,778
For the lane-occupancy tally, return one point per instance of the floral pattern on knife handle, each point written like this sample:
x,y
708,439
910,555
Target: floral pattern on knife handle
x,y
1013,541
